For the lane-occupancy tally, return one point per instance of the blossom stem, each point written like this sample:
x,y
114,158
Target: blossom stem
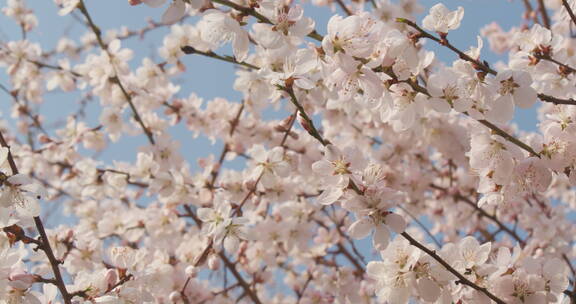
x,y
462,279
190,50
550,59
557,101
310,128
508,137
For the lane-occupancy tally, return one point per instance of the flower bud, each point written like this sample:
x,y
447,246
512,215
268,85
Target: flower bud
x,y
213,262
111,277
19,279
175,297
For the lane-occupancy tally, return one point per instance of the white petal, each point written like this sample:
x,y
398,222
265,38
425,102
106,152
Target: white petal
x,y
304,83
175,12
231,244
329,196
502,110
428,290
381,238
154,3
206,214
525,97
396,222
376,269
3,155
360,229
240,45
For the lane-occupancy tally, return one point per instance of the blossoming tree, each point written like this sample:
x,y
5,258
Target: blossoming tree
x,y
384,142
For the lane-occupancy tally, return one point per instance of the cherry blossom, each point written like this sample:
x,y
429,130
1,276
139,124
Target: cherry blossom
x,y
217,28
442,20
139,188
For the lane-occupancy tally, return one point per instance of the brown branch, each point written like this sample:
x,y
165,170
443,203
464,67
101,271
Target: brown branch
x,y
308,124
508,137
232,267
233,124
484,67
300,293
189,50
461,278
544,14
152,25
563,67
557,101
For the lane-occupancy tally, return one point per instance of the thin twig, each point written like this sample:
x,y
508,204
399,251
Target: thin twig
x,y
190,50
544,14
308,124
232,267
508,137
564,67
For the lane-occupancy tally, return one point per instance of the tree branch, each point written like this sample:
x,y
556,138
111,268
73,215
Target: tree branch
x,y
462,279
544,14
45,243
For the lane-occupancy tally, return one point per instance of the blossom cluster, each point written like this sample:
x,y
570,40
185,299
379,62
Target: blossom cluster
x,y
378,140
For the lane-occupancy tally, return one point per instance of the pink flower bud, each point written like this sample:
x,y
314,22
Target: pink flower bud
x,y
111,277
19,279
191,271
134,2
